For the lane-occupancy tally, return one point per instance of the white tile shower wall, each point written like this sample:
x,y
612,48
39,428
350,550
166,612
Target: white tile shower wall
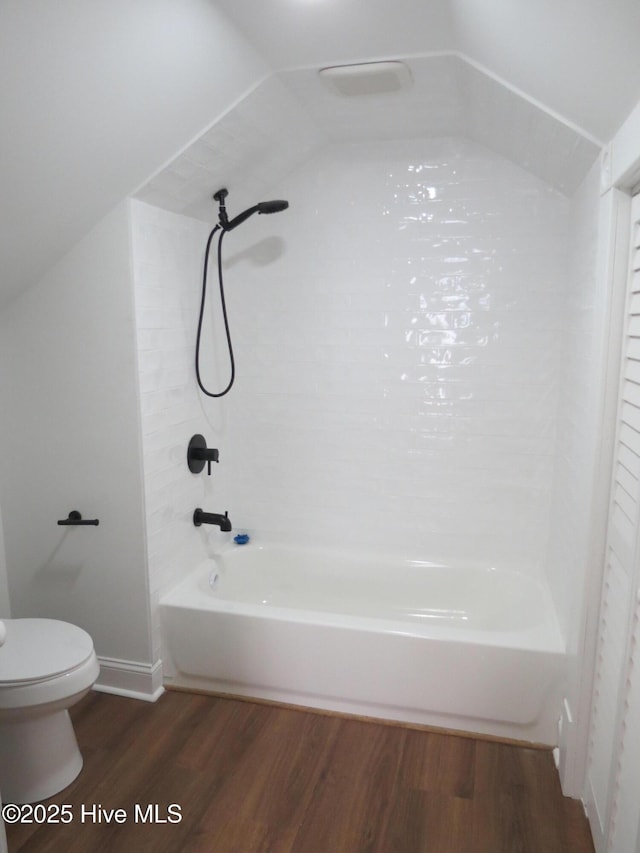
x,y
399,339
167,259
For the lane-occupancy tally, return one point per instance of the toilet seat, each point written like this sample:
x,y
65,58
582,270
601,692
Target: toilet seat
x,y
44,662
37,650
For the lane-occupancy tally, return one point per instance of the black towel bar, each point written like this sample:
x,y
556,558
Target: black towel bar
x,y
75,519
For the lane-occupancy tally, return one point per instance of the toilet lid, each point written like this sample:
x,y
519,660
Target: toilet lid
x,y
36,649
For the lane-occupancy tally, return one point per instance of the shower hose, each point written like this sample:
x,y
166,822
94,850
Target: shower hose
x,y
224,316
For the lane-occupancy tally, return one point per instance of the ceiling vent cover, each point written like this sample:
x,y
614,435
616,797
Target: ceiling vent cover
x,y
367,78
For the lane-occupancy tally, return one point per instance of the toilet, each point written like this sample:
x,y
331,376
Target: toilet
x,y
46,666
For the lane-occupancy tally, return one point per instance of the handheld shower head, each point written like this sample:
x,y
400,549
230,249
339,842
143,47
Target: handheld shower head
x,y
272,206
262,207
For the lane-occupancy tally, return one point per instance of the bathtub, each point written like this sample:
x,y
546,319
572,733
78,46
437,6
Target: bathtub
x,y
471,649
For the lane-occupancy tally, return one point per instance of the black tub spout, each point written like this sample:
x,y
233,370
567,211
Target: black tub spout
x,y
200,517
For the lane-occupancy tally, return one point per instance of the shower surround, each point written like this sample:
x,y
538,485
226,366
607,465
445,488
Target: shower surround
x,y
398,387
399,344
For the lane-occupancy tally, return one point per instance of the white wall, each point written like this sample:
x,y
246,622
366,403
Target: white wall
x,y
5,606
581,336
624,167
582,469
397,338
69,426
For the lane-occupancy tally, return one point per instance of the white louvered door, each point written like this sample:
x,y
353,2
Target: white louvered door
x,y
614,748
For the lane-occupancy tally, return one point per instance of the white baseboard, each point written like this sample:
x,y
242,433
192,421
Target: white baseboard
x,y
130,678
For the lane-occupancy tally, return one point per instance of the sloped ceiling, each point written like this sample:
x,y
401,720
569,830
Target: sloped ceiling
x,y
579,58
291,115
96,96
451,97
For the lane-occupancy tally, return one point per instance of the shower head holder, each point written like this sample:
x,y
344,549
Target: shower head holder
x,y
220,197
262,207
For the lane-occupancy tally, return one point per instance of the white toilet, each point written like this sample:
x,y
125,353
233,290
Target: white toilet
x,y
46,666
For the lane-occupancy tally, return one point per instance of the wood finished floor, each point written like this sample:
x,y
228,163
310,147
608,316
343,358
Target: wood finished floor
x,y
253,778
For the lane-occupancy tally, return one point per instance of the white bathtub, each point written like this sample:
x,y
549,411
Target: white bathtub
x,y
475,649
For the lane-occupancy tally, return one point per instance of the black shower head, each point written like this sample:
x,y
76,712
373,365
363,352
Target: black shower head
x,y
262,207
272,206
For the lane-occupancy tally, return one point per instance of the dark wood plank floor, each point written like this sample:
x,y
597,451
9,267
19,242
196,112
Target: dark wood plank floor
x,y
252,778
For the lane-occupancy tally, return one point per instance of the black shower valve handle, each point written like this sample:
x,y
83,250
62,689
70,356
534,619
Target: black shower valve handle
x,y
210,460
198,453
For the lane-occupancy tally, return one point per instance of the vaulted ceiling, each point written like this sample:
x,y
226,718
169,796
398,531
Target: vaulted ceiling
x,y
291,115
579,58
97,96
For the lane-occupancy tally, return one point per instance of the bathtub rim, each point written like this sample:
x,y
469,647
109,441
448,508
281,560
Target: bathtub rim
x,y
193,592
